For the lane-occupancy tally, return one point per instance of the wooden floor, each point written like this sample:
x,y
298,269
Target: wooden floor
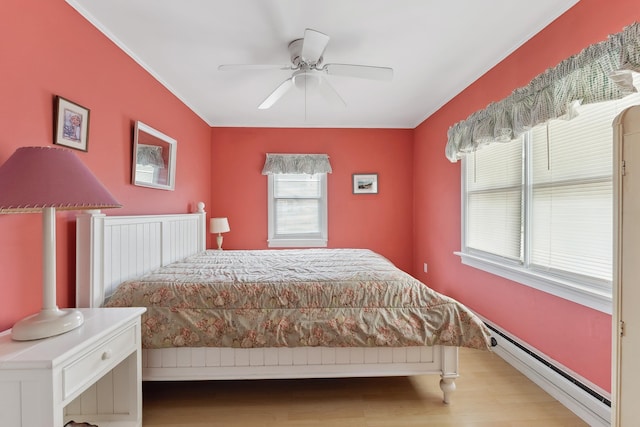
x,y
489,393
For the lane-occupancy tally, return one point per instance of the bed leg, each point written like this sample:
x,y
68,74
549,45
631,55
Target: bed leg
x,y
448,386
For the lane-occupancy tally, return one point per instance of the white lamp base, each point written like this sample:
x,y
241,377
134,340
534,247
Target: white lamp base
x,y
45,324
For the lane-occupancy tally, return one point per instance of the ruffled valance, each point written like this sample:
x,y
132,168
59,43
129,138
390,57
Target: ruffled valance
x,y
601,72
296,163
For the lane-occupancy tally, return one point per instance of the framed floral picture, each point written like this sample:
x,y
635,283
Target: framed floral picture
x,y
71,125
365,183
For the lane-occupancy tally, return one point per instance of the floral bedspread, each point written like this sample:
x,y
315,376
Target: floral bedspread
x,y
308,297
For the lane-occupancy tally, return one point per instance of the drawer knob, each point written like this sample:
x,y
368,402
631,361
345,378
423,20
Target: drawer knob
x,y
106,355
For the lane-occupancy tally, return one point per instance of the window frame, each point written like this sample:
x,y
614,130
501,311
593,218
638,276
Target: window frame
x,y
311,240
567,286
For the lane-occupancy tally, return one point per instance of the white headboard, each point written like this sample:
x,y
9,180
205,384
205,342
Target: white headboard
x,y
112,249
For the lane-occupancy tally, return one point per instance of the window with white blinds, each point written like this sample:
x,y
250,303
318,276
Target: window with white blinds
x,y
494,200
572,194
297,210
539,210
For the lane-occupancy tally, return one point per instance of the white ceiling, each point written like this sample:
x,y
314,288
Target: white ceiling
x,y
435,47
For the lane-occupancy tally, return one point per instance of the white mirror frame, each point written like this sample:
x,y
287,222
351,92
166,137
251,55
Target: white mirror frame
x,y
154,158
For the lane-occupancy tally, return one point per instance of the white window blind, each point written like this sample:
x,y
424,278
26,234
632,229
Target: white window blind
x,y
572,194
494,199
297,199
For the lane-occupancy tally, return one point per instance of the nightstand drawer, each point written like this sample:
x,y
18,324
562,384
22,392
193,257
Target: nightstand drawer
x,y
98,361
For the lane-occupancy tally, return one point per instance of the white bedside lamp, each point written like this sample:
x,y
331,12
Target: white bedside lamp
x,y
219,225
43,179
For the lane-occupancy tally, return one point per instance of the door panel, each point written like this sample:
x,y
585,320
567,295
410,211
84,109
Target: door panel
x,y
626,371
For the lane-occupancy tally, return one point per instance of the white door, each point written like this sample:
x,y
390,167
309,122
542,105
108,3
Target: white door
x,y
626,293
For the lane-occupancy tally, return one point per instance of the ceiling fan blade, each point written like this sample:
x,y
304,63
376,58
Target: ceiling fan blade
x,y
313,45
330,94
276,94
248,67
360,71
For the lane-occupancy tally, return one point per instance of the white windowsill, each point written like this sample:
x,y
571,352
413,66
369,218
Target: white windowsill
x,y
555,286
297,243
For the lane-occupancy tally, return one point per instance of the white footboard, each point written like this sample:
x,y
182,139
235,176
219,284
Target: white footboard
x,y
300,362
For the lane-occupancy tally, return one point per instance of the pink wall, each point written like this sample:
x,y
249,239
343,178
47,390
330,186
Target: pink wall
x,y
48,49
381,222
573,335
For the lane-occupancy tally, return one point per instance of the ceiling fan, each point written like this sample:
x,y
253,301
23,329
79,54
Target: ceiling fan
x,y
309,72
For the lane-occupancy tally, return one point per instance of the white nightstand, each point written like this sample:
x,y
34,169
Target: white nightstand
x,y
89,374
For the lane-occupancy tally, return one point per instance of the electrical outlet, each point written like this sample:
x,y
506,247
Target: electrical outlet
x,y
425,267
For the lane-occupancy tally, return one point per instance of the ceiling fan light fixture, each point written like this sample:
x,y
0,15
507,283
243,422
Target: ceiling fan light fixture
x,y
303,79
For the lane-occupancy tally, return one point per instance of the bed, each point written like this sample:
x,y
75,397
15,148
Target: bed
x,y
384,338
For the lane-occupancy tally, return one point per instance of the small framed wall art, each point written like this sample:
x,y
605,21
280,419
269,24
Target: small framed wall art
x,y
71,124
365,183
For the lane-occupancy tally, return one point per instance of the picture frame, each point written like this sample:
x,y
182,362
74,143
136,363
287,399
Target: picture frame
x,y
71,124
365,183
154,158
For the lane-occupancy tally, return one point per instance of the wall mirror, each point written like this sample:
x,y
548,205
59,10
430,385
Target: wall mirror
x,y
154,158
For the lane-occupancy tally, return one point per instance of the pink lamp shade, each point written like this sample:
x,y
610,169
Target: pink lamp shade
x,y
43,179
34,178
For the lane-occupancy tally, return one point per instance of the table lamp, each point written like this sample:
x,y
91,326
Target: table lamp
x,y
219,225
43,179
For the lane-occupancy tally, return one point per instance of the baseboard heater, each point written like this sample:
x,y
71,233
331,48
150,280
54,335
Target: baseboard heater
x,y
586,401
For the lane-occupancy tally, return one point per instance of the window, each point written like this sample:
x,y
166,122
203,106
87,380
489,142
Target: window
x,y
297,210
539,210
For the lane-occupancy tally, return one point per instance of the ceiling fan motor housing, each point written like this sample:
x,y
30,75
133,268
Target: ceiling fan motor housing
x,y
295,52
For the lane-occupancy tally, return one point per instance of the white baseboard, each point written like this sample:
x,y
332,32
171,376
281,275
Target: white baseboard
x,y
586,400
